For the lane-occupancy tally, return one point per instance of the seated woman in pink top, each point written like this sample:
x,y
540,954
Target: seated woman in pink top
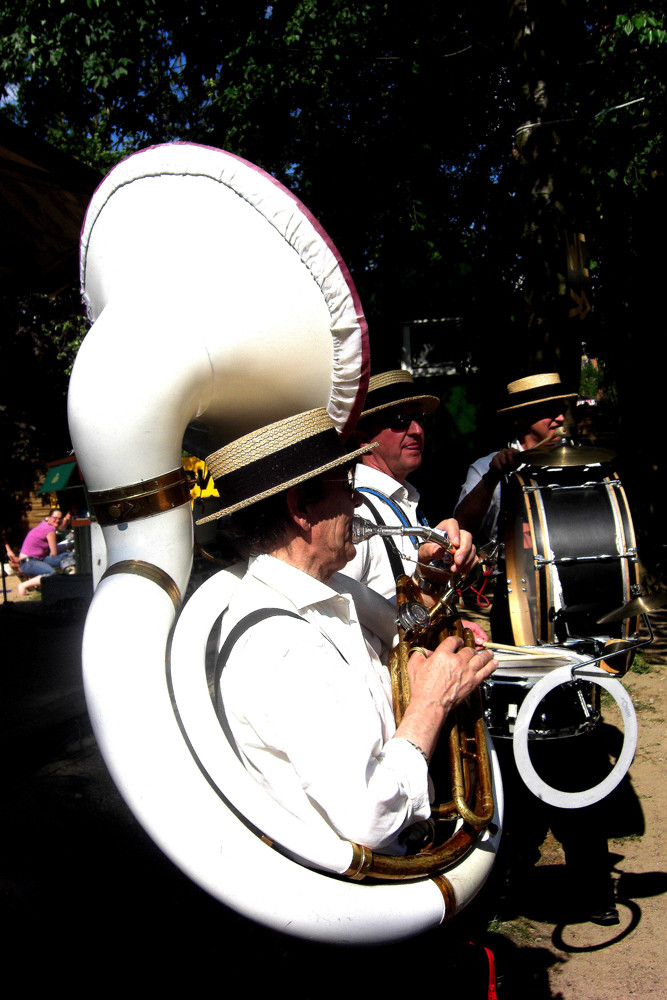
x,y
39,553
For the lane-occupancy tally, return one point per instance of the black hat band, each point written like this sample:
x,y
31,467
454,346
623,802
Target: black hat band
x,y
279,468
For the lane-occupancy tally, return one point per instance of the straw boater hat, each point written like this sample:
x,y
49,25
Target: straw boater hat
x,y
274,458
392,389
535,389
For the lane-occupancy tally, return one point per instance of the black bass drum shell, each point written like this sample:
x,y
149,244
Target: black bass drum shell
x,y
570,553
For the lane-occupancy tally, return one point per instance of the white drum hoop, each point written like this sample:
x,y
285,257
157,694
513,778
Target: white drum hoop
x,y
589,796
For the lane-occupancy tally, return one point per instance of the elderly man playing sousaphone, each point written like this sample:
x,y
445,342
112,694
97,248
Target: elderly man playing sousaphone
x,y
304,695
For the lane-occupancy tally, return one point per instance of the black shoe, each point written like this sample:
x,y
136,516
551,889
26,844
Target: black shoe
x,y
606,917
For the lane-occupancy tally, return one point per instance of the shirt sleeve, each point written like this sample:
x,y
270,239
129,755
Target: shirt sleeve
x,y
475,473
489,527
307,722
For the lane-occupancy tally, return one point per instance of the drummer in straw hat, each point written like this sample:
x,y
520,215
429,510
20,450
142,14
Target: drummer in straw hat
x,y
305,697
536,405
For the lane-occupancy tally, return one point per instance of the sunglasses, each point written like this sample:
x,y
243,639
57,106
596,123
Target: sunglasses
x,y
401,421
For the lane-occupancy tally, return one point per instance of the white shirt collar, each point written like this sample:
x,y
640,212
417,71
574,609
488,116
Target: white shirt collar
x,y
368,476
303,590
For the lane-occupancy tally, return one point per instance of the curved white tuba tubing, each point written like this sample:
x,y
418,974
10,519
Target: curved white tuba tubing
x,y
215,298
296,899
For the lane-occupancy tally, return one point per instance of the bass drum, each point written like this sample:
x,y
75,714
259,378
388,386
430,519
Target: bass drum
x,y
570,554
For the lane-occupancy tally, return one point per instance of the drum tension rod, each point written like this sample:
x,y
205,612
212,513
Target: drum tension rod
x,y
540,560
579,486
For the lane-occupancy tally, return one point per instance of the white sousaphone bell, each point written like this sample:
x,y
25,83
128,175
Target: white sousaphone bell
x,y
216,300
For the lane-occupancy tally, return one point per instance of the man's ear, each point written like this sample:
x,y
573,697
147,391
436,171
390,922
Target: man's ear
x,y
298,509
362,435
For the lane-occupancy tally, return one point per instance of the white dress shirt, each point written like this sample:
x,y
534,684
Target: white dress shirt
x,y
309,706
371,564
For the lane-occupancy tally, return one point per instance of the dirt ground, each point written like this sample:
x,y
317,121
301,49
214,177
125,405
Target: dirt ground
x,y
82,878
628,960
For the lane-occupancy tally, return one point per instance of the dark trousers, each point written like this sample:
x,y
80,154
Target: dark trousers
x,y
569,761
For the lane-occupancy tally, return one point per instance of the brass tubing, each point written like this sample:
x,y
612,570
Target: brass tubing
x,y
444,810
447,890
485,771
482,814
148,571
484,783
362,859
435,860
398,659
456,768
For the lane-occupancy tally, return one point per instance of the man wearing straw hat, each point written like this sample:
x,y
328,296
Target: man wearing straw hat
x,y
536,405
306,699
393,421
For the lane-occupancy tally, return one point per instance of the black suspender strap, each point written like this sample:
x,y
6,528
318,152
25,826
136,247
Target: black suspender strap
x,y
242,626
395,560
235,634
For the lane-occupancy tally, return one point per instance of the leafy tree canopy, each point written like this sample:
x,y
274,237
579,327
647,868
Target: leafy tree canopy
x,y
358,107
394,124
445,150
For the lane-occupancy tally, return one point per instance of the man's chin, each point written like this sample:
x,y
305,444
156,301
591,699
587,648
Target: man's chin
x,y
350,553
413,459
